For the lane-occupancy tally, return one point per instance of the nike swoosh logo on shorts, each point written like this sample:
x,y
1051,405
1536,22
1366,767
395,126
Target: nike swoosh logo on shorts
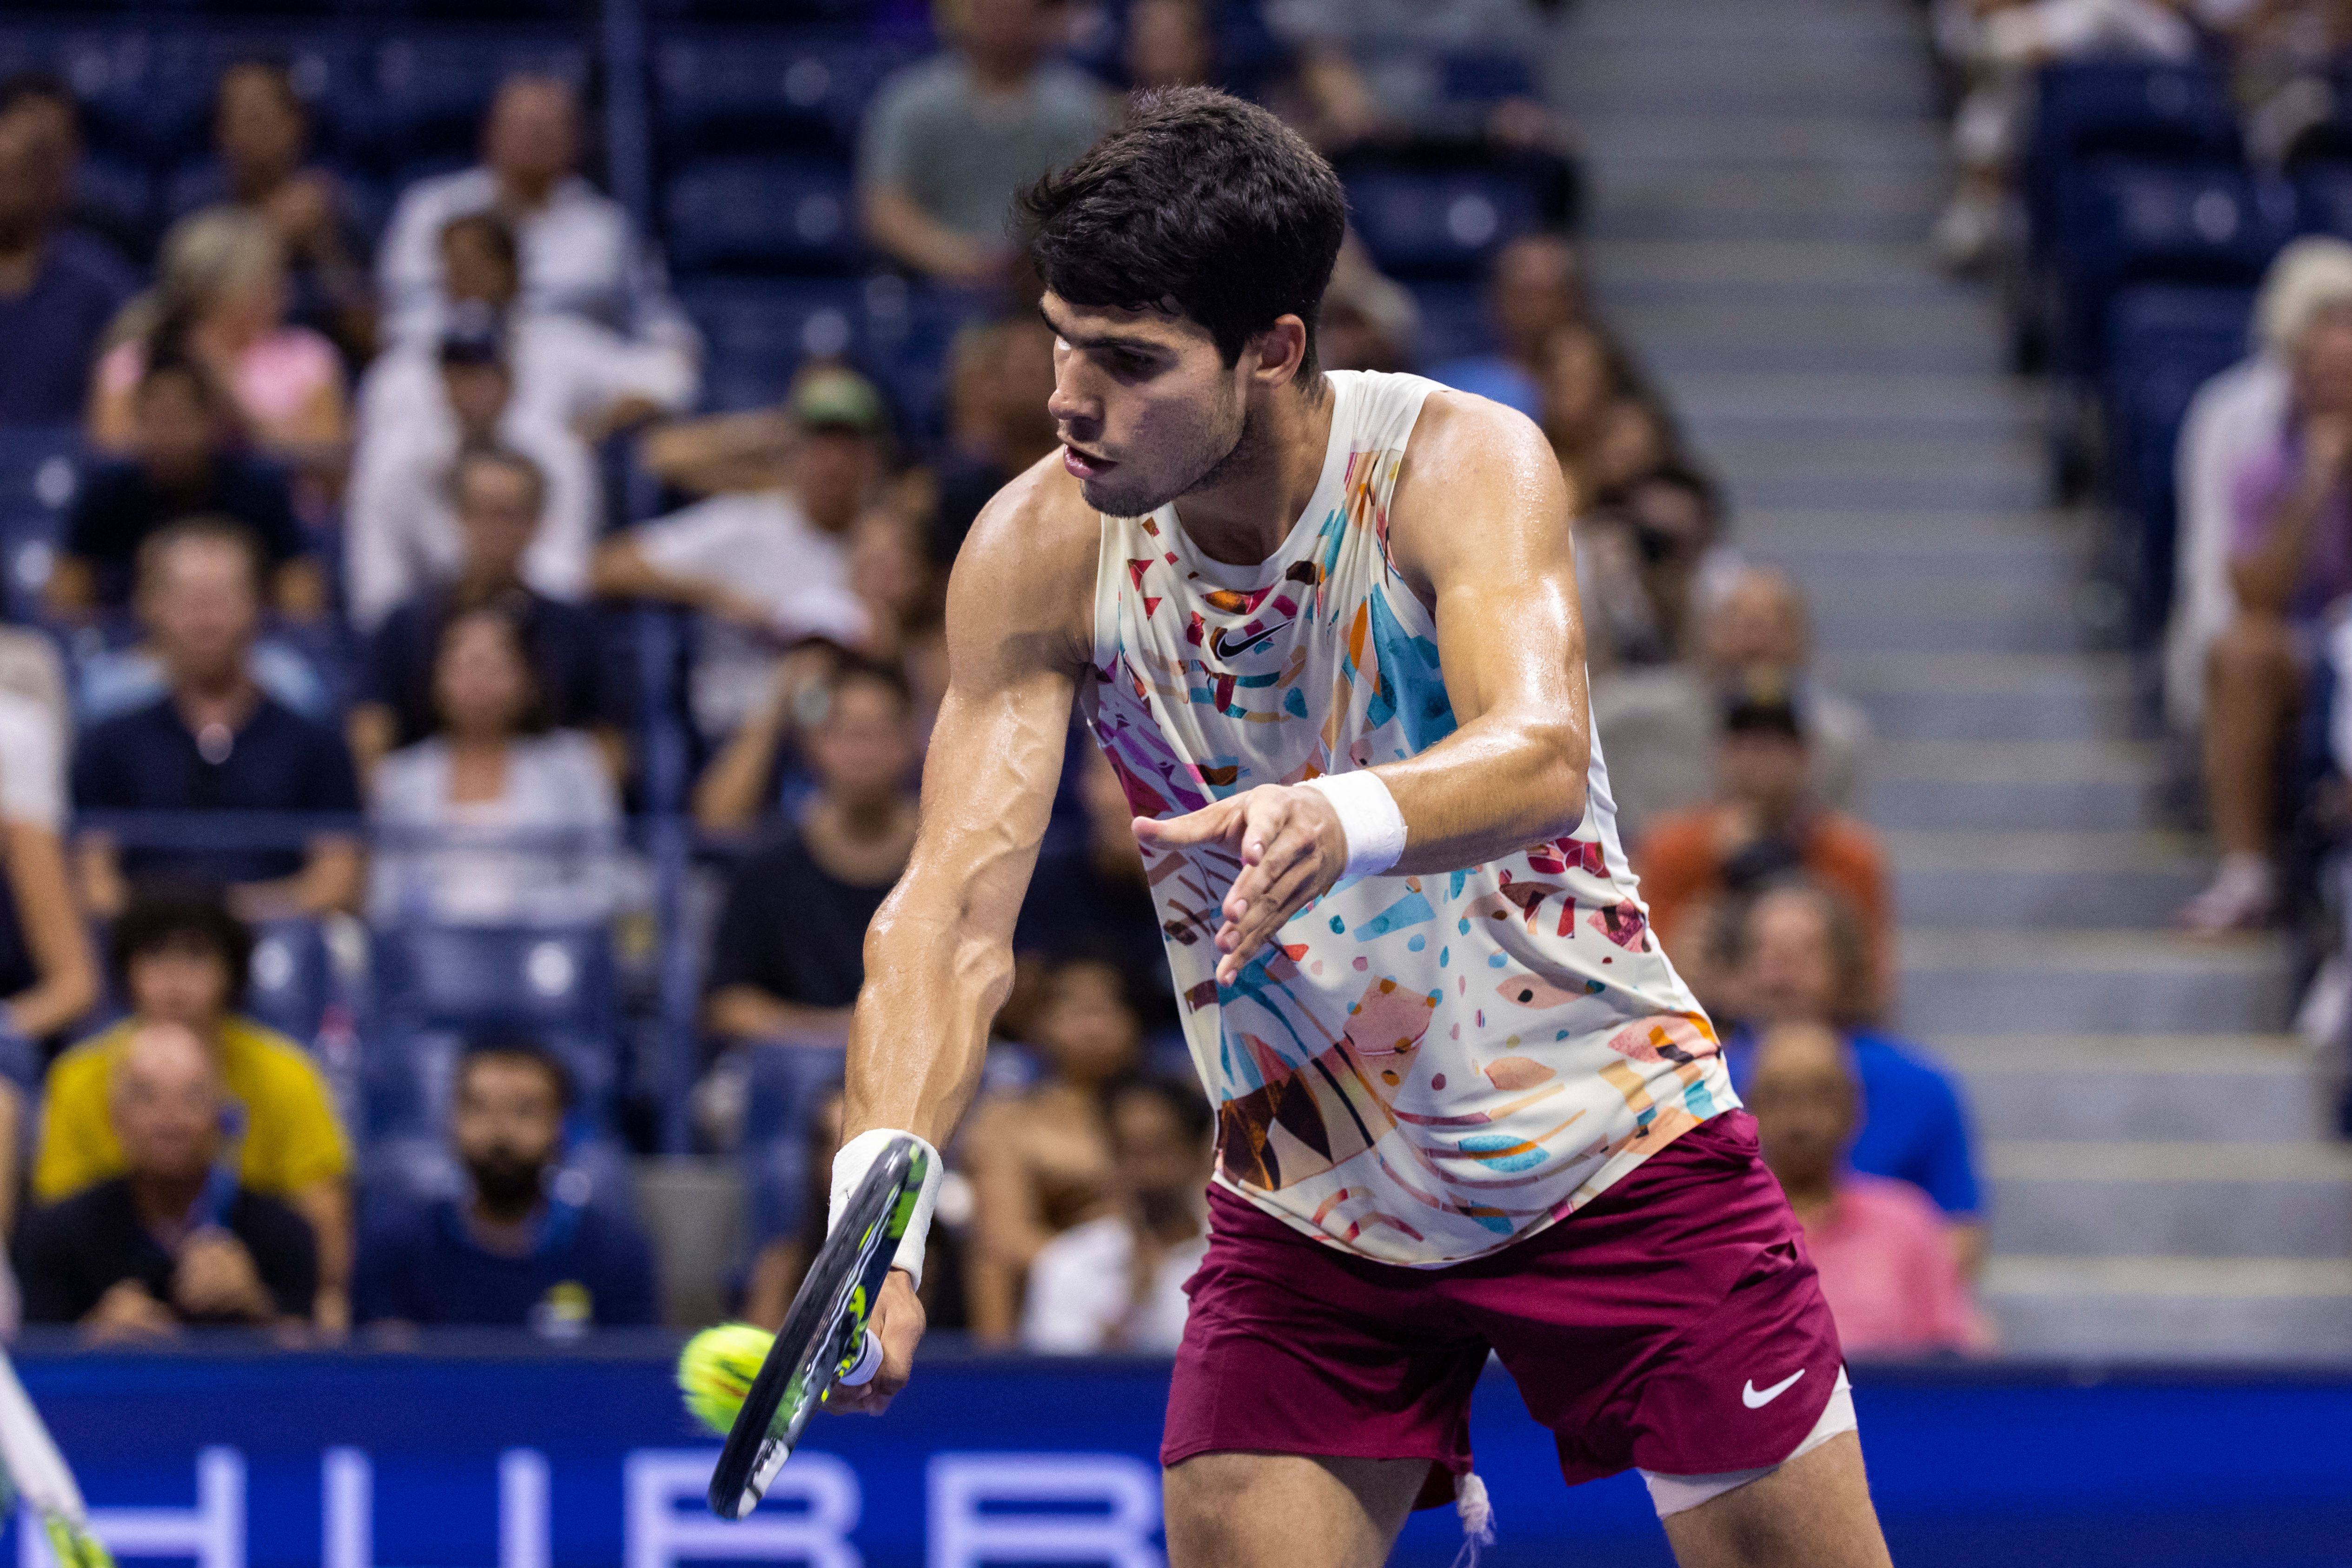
x,y
1757,1399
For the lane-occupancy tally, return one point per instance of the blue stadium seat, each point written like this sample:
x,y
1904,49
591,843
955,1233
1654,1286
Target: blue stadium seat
x,y
721,92
2165,341
758,330
1454,323
430,86
762,214
787,1078
291,977
2323,199
2156,113
1439,222
38,476
1487,78
2123,221
766,13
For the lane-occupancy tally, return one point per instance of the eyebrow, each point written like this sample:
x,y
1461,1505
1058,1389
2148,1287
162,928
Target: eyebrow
x,y
1100,341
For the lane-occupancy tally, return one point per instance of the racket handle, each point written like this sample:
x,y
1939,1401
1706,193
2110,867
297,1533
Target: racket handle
x,y
868,1362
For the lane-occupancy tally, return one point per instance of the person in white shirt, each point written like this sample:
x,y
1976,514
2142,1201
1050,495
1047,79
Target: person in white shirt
x,y
580,252
767,567
1117,1282
399,522
568,371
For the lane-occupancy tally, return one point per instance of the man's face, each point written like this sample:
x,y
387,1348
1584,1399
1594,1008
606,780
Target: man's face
x,y
498,515
1007,31
832,468
1086,1028
53,149
179,985
534,131
478,396
1762,768
1538,288
22,212
862,749
1144,404
164,1103
1802,1098
1756,622
1159,1160
172,430
2323,362
259,126
1792,973
203,610
506,1125
1167,44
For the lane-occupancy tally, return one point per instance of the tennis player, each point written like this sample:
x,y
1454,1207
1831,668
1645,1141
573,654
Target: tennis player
x,y
1324,626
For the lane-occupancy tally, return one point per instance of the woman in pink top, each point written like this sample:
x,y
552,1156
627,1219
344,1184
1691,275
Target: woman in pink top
x,y
1885,1263
223,288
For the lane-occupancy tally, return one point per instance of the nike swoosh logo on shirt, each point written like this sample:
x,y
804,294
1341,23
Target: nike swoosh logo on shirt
x,y
1218,646
1756,1399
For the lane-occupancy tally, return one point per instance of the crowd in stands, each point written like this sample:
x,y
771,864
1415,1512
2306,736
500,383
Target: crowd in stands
x,y
426,599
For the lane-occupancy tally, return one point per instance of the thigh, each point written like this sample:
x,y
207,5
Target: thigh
x,y
1812,1513
1287,1510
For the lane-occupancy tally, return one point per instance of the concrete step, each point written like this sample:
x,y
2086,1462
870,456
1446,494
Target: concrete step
x,y
1767,472
2088,982
1822,138
1624,268
2287,1308
1920,615
1910,541
1865,404
1988,696
2076,878
2198,1198
2012,785
2240,1089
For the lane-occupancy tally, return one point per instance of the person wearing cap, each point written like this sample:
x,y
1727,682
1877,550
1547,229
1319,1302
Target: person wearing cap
x,y
766,559
1765,824
400,530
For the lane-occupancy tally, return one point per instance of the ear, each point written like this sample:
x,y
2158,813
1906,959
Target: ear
x,y
1281,350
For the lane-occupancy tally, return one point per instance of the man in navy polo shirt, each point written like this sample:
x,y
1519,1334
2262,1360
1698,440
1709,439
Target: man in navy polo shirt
x,y
59,287
1798,959
513,1252
216,742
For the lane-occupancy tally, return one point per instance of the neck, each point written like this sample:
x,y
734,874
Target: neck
x,y
867,819
163,1202
226,697
527,192
501,1226
254,181
479,583
1003,72
1169,1217
1247,505
1809,1191
20,257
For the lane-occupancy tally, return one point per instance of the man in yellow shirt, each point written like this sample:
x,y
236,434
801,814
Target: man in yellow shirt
x,y
181,958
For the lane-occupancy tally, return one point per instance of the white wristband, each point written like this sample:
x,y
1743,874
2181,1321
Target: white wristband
x,y
1369,819
849,1168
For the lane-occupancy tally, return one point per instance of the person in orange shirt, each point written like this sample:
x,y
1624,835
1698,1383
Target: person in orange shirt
x,y
1763,825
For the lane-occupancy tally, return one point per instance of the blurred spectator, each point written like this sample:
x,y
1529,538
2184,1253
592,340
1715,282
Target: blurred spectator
x,y
1582,375
496,819
59,287
905,593
1369,321
183,462
1886,1265
181,960
574,662
947,143
1375,68
999,375
1650,556
261,143
580,252
1998,46
766,566
1657,722
1118,1284
1796,957
48,980
571,374
1763,823
1169,43
2233,419
1041,1160
42,106
220,299
2290,567
402,533
215,742
1091,900
1535,291
513,1252
789,954
177,1238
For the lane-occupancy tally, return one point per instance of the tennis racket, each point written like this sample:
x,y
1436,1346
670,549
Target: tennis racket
x,y
823,1336
35,1484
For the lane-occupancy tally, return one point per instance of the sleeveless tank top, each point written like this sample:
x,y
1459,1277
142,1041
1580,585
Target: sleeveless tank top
x,y
1425,1068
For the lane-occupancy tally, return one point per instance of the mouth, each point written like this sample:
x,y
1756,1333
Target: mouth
x,y
1085,465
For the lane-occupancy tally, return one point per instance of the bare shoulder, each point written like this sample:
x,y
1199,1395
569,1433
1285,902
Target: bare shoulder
x,y
1028,565
1476,474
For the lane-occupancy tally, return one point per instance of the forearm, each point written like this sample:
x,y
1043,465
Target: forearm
x,y
896,225
1498,784
327,1205
2265,580
920,1036
732,791
746,1012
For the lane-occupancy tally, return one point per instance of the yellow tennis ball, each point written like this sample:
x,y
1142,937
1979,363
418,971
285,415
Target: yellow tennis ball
x,y
715,1369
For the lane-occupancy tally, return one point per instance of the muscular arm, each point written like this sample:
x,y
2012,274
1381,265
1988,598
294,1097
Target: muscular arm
x,y
1479,527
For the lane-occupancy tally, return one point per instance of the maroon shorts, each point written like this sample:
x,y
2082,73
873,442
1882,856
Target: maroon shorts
x,y
1674,1322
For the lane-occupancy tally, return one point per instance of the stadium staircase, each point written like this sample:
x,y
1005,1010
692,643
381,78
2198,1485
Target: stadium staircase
x,y
1763,177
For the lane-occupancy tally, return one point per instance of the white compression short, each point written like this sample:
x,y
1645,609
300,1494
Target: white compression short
x,y
1679,1494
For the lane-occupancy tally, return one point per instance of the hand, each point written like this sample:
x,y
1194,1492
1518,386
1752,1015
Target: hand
x,y
1292,850
127,1313
2327,446
215,1278
899,1318
302,209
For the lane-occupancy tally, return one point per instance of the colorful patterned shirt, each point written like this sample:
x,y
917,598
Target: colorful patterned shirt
x,y
1422,1069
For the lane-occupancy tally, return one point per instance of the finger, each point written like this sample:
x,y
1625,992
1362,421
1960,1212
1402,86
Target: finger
x,y
1268,915
1262,822
1206,825
1293,842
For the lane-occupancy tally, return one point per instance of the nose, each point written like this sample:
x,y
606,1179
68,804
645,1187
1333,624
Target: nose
x,y
1078,415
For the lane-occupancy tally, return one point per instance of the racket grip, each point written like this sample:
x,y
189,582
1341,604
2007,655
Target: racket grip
x,y
868,1362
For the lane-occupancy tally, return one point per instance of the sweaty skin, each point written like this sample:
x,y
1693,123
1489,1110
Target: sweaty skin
x,y
1478,525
